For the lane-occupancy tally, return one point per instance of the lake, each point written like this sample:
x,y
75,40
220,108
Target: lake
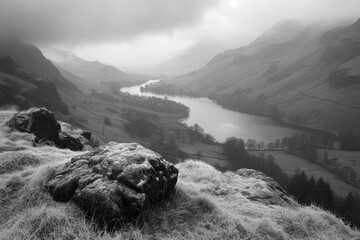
x,y
223,123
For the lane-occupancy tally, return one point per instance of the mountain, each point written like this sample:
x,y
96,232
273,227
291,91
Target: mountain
x,y
31,59
307,71
21,88
90,75
52,193
190,59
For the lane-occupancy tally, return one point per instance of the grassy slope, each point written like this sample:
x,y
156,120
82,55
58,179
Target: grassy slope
x,y
301,86
208,204
290,164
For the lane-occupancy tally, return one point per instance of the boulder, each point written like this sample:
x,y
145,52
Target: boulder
x,y
115,181
38,121
43,124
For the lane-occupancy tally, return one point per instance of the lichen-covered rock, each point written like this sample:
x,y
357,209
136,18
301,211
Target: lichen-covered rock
x,y
272,193
115,181
43,124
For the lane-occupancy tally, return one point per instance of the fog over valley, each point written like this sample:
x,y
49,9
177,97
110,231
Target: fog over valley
x,y
179,119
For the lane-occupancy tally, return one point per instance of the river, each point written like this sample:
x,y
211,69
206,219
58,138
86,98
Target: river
x,y
223,123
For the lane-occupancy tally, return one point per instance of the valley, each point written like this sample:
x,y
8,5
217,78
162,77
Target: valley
x,y
289,66
185,123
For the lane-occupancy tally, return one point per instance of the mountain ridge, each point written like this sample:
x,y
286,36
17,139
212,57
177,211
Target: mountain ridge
x,y
92,74
291,70
31,58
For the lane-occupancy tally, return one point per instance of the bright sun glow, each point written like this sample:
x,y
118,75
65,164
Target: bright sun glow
x,y
233,3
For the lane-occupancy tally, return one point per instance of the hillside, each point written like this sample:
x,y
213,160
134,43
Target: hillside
x,y
32,60
207,204
309,72
21,88
190,59
90,75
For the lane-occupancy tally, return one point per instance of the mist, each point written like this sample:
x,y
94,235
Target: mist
x,y
143,33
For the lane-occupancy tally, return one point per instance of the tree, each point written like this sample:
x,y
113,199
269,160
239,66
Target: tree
x,y
349,173
107,121
251,144
348,139
275,114
234,151
277,144
270,146
324,194
325,159
262,145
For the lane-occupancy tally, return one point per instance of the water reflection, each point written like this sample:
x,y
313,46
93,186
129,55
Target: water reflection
x,y
223,123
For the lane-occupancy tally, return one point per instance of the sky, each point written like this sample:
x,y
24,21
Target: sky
x,y
138,34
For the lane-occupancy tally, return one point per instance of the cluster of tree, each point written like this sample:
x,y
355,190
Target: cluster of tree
x,y
238,101
196,132
234,150
141,127
139,123
116,85
349,138
347,173
167,89
309,191
128,113
156,104
341,78
169,150
104,97
275,114
306,190
306,145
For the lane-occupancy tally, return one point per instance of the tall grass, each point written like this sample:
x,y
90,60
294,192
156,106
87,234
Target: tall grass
x,y
207,204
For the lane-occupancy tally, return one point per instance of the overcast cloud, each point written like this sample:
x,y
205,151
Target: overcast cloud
x,y
79,21
140,33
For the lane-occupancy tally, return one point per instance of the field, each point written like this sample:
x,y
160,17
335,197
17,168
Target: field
x,y
290,164
345,158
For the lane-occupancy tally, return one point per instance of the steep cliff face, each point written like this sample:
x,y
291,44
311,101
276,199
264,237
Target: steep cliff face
x,y
206,203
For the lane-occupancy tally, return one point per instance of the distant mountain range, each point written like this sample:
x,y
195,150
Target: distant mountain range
x,y
90,75
190,59
309,71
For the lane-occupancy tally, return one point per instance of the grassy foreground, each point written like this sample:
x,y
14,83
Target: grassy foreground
x,y
208,204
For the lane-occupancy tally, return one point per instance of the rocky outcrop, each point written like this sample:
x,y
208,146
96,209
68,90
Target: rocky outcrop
x,y
271,193
43,124
116,181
